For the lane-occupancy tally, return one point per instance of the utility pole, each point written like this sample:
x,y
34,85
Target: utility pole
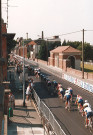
x,y
23,76
83,56
37,52
47,51
27,35
0,31
1,73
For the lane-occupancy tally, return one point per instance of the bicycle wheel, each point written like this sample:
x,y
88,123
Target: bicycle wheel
x,y
90,125
69,107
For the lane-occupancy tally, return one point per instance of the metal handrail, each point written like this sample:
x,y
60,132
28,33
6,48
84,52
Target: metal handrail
x,y
42,107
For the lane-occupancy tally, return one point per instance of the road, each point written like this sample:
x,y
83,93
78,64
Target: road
x,y
71,122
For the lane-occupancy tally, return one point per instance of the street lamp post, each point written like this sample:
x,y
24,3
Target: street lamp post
x,y
37,52
1,64
23,76
0,31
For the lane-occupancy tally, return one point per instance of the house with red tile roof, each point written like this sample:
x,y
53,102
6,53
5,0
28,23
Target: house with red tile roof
x,y
33,48
65,56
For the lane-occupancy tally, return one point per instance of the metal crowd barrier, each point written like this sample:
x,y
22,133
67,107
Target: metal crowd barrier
x,y
42,107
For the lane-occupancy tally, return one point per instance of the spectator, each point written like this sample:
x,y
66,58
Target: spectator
x,y
11,100
28,92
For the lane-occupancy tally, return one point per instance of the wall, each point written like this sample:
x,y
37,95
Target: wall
x,y
21,51
75,77
79,73
77,64
75,72
78,82
4,50
4,30
42,61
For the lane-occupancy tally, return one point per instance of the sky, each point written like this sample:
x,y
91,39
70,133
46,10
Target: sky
x,y
53,17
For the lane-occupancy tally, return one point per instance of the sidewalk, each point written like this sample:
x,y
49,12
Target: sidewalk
x,y
25,120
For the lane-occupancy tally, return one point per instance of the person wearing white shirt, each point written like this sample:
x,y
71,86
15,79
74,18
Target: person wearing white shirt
x,y
28,92
89,113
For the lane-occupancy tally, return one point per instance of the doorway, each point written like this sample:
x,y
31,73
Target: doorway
x,y
72,61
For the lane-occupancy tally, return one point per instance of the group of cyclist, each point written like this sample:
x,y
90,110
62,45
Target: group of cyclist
x,y
37,72
83,106
56,88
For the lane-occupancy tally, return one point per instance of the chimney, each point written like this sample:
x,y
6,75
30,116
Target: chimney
x,y
42,35
55,37
27,36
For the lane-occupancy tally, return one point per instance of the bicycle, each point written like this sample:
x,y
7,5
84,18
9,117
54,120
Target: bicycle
x,y
68,106
90,124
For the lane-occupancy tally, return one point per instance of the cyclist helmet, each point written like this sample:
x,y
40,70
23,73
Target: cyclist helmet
x,y
80,97
86,101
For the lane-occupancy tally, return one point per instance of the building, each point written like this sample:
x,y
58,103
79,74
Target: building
x,y
54,39
23,51
65,56
6,37
33,48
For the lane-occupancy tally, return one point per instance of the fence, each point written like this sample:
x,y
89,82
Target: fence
x,y
45,111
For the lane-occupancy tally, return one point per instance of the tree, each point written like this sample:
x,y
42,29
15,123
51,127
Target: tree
x,y
64,43
42,52
46,47
52,45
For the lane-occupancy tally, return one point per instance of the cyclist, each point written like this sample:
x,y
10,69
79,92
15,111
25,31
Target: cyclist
x,y
49,85
80,103
77,98
71,91
61,92
86,104
58,86
67,96
54,83
88,113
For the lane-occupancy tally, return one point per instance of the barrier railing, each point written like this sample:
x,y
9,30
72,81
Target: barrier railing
x,y
42,107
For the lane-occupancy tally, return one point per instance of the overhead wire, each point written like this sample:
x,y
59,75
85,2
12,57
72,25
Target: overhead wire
x,y
64,34
67,33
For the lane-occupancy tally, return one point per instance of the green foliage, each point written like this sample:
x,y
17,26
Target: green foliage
x,y
28,55
88,52
26,41
74,44
42,53
53,45
46,47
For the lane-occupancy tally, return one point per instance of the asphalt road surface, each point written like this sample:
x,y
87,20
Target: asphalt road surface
x,y
71,122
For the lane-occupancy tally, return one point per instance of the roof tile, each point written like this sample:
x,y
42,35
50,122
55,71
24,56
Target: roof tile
x,y
64,49
32,43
